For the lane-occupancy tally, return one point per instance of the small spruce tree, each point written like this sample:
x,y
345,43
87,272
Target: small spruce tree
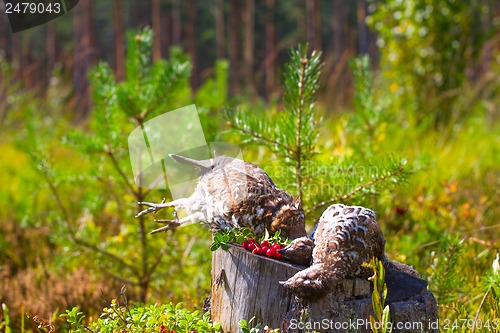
x,y
98,220
292,135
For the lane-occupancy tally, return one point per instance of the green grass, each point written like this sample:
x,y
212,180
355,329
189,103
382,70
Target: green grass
x,y
444,220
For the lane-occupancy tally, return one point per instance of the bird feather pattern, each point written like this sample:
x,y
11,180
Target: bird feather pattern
x,y
345,238
232,193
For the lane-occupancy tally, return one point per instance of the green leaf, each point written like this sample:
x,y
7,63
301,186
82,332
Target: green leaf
x,y
386,319
218,236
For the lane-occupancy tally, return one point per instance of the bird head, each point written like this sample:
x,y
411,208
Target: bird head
x,y
299,251
307,284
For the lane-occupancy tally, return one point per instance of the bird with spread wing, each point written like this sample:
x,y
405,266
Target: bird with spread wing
x,y
232,193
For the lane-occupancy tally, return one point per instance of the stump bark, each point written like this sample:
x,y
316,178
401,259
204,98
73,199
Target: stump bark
x,y
245,285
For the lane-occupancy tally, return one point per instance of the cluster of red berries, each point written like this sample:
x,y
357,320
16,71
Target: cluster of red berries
x,y
263,249
164,330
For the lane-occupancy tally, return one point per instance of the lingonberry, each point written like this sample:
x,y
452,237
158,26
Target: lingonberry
x,y
271,253
252,246
264,243
259,251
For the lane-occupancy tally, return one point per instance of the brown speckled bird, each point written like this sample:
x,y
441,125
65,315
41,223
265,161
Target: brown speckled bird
x,y
232,193
345,238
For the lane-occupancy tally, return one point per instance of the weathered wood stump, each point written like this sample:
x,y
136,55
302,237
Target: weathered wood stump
x,y
245,285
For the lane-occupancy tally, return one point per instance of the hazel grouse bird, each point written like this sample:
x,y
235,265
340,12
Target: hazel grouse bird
x,y
344,239
231,193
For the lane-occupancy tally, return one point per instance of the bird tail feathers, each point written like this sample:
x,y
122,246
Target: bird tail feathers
x,y
200,164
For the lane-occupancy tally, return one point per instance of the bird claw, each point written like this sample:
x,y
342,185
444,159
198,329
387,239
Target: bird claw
x,y
219,279
170,225
153,207
169,222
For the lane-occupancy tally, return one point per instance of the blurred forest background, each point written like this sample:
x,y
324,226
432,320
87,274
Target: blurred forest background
x,y
415,81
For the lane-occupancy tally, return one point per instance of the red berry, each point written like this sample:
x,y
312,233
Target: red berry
x,y
265,248
278,255
245,245
251,240
251,246
256,250
400,210
271,253
276,246
265,243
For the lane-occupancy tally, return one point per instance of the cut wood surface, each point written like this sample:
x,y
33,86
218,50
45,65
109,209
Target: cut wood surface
x,y
245,285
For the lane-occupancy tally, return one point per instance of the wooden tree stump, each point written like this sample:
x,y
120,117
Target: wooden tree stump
x,y
245,285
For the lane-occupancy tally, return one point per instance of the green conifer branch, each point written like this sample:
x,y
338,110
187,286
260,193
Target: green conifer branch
x,y
300,110
392,174
291,135
257,136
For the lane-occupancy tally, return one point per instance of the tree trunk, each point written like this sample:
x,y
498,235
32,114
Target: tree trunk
x,y
78,59
234,46
140,14
219,29
313,24
176,22
16,56
191,40
363,41
5,53
271,49
337,26
167,36
245,285
4,34
248,52
119,40
83,56
317,25
50,47
155,19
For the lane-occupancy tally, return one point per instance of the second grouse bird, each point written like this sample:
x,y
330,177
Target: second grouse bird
x,y
345,238
232,193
